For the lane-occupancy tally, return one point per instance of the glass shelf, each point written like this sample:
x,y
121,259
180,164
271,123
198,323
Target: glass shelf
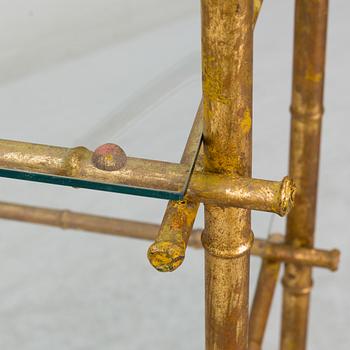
x,y
139,89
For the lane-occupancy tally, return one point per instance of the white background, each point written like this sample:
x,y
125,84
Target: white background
x,y
89,72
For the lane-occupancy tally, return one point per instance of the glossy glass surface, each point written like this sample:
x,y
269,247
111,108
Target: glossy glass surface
x,y
132,84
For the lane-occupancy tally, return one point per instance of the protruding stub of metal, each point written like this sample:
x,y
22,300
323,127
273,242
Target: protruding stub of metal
x,y
166,256
109,157
287,196
168,251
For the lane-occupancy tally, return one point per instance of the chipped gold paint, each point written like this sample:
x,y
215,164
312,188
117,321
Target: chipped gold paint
x,y
314,77
246,122
166,256
168,251
212,81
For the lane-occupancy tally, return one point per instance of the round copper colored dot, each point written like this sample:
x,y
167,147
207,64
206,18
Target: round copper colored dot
x,y
109,157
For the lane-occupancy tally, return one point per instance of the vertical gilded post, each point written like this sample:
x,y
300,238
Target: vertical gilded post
x,y
227,111
307,109
265,289
168,251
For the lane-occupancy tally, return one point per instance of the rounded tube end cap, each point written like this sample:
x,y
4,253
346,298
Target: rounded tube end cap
x,y
166,256
287,196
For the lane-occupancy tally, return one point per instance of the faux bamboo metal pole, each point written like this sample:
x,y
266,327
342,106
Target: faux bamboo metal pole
x,y
169,249
227,108
273,196
264,292
307,109
67,219
302,256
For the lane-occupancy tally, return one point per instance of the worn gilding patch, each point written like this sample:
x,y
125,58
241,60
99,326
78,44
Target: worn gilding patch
x,y
166,256
246,122
314,77
213,86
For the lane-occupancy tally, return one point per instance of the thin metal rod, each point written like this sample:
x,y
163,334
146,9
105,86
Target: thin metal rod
x,y
264,292
168,251
227,49
67,219
302,256
307,109
273,196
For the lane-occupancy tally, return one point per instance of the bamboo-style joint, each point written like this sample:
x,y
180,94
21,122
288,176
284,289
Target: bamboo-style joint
x,y
211,188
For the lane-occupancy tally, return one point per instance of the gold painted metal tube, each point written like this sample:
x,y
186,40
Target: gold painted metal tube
x,y
67,219
167,253
77,163
242,192
264,292
169,249
305,256
227,109
307,109
274,196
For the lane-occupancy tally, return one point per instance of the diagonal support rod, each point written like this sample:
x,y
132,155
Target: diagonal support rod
x,y
264,293
168,251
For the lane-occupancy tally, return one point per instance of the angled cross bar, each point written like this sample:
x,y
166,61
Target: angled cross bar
x,y
264,293
168,251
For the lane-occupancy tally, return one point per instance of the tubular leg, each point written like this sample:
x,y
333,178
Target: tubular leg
x,y
307,109
227,109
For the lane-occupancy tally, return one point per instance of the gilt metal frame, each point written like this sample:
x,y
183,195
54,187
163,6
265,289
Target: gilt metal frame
x,y
221,180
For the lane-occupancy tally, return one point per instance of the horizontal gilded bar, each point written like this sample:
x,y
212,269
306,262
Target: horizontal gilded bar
x,y
305,256
127,228
223,190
